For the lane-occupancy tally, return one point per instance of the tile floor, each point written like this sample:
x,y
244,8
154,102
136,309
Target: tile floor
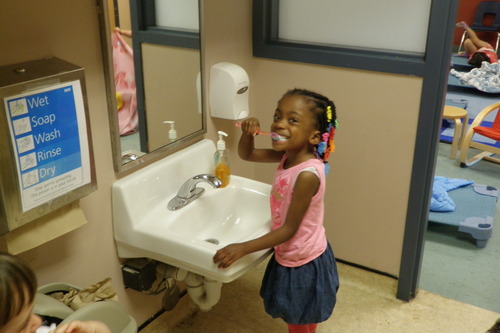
x,y
366,303
452,265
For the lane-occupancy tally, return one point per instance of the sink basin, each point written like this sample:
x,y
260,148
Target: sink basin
x,y
222,216
189,237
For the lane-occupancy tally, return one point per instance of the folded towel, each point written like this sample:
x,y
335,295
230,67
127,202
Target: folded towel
x,y
440,200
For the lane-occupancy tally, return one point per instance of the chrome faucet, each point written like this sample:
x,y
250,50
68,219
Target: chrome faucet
x,y
189,192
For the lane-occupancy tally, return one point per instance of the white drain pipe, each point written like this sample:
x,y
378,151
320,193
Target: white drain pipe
x,y
203,291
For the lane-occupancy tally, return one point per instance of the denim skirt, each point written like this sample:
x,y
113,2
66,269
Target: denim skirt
x,y
301,295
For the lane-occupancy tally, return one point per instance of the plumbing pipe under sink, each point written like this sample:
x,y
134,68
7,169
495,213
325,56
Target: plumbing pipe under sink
x,y
203,291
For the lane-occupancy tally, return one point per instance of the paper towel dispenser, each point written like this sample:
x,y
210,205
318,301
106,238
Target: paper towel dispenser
x,y
45,145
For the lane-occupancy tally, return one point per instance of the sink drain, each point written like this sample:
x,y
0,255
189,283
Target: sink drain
x,y
212,240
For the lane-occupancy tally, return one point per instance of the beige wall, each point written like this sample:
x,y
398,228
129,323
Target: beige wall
x,y
369,182
175,78
368,185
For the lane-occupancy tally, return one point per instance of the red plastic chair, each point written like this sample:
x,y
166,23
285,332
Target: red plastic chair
x,y
493,132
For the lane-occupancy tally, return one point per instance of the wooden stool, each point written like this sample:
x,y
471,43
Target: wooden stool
x,y
456,113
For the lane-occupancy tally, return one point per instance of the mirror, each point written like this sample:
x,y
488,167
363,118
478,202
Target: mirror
x,y
153,67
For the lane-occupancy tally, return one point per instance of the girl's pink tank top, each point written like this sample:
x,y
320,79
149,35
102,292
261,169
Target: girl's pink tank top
x,y
309,242
490,53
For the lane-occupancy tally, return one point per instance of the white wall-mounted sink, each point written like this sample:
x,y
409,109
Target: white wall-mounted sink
x,y
189,237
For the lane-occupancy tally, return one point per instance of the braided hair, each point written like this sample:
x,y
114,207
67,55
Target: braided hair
x,y
326,121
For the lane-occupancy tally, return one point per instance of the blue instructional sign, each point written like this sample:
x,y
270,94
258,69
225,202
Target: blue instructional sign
x,y
49,137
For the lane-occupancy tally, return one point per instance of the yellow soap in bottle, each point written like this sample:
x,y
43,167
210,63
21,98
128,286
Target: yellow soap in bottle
x,y
221,159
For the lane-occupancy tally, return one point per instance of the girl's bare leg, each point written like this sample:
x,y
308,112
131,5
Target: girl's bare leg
x,y
469,46
472,43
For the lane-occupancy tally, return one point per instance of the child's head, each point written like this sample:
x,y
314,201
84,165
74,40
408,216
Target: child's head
x,y
476,60
17,292
325,117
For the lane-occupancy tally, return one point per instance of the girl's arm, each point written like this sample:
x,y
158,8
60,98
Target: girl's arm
x,y
246,146
126,33
305,188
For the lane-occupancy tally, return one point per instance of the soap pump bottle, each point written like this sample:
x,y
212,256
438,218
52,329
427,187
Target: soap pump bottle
x,y
172,133
221,158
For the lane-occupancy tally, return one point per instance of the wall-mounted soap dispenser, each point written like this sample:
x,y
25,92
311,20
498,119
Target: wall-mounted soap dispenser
x,y
229,85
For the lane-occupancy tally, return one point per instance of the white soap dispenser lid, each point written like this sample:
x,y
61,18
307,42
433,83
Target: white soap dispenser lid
x,y
221,144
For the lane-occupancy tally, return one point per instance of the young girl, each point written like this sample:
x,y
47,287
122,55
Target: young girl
x,y
17,294
301,280
476,49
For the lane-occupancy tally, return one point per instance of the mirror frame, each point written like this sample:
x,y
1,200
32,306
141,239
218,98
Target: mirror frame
x,y
107,54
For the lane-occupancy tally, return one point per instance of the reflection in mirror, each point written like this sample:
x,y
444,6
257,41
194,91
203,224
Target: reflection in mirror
x,y
178,77
158,94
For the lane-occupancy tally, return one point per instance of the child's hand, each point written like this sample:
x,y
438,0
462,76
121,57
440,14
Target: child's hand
x,y
226,256
250,126
83,327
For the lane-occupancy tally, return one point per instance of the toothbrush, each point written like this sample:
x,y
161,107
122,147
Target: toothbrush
x,y
273,135
238,124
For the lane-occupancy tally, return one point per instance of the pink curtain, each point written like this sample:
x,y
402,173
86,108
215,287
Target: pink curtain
x,y
123,64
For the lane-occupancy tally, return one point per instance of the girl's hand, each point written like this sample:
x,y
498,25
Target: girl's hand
x,y
83,327
250,126
126,33
226,256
